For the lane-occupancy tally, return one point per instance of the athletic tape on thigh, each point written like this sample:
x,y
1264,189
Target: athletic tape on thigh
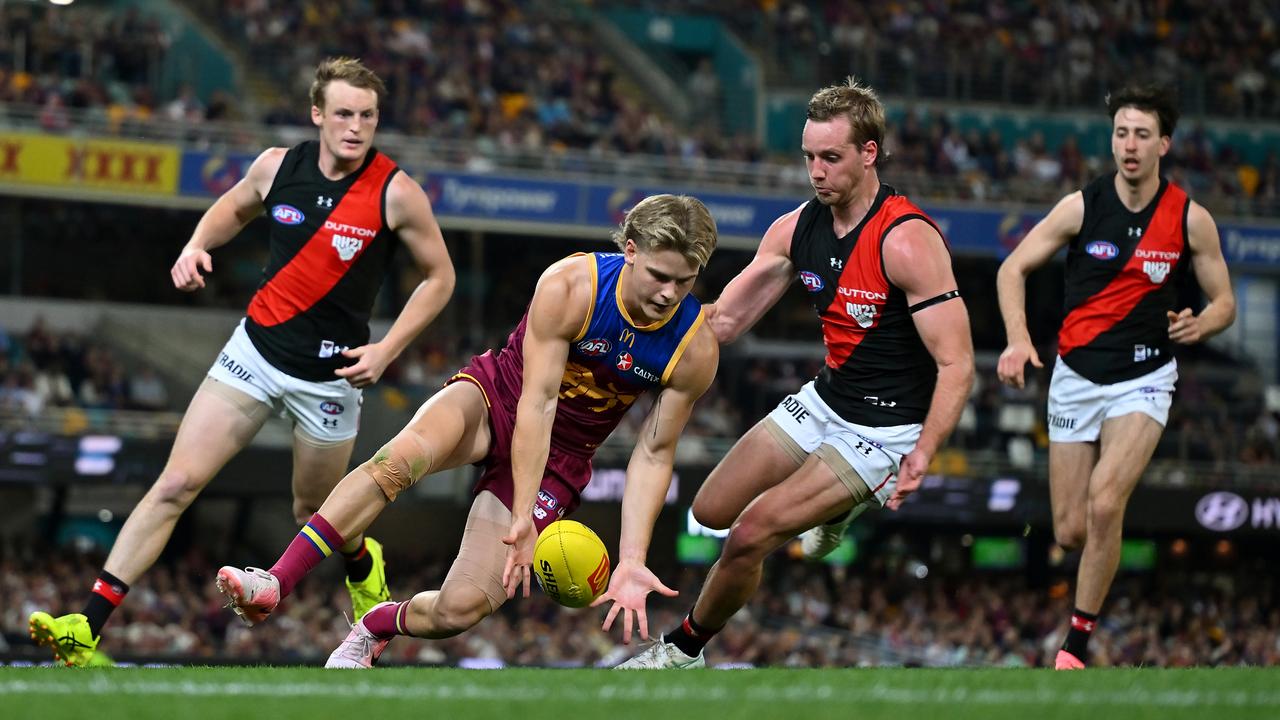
x,y
400,463
251,407
307,439
482,555
788,443
832,458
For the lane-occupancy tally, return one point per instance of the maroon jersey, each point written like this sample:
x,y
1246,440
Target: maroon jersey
x,y
878,371
330,248
1121,274
611,363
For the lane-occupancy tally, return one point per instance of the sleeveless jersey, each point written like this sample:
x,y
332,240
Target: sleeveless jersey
x,y
611,362
1121,277
330,248
878,371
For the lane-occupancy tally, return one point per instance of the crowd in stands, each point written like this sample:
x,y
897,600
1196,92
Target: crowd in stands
x,y
872,613
41,368
461,71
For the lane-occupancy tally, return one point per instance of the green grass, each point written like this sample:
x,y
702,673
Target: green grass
x,y
276,693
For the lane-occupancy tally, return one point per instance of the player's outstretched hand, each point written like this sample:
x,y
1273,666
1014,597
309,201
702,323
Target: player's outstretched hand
x,y
520,541
630,585
910,475
1184,327
186,269
370,362
1013,361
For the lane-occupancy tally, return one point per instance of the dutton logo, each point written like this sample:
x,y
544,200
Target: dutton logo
x,y
1222,511
287,214
811,281
1102,250
625,361
329,407
595,347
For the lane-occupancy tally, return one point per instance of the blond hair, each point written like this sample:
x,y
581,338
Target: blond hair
x,y
670,222
859,104
348,70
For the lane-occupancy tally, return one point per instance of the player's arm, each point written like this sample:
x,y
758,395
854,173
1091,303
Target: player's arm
x,y
1211,272
916,260
409,216
556,314
648,480
750,294
225,219
1045,239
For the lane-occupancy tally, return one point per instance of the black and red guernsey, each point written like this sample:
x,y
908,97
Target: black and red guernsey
x,y
1121,277
330,248
878,372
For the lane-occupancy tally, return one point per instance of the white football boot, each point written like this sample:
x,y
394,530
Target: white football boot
x,y
252,592
663,655
818,542
361,648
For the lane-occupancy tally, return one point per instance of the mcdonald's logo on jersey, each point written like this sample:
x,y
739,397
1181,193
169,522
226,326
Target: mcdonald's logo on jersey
x,y
627,337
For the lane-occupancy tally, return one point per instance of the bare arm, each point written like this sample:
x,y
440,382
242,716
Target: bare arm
x,y
1211,272
750,294
916,260
409,216
649,478
1045,239
556,314
225,219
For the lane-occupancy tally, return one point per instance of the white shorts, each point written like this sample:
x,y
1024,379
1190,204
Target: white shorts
x,y
804,424
327,411
1078,406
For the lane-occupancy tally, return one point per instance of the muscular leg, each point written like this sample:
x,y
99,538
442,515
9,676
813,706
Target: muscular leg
x,y
806,498
219,422
756,463
317,470
449,430
1127,445
1070,465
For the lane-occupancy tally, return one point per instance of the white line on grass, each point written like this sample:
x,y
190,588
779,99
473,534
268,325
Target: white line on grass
x,y
705,689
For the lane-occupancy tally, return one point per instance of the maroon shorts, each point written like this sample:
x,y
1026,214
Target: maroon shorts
x,y
566,474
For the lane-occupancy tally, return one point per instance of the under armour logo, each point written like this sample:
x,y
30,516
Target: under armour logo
x,y
324,202
1135,232
837,263
329,422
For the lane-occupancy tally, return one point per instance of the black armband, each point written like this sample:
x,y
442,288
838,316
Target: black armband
x,y
933,301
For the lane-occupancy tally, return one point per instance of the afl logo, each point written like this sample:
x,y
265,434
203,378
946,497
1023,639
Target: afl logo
x,y
1222,511
625,362
1102,249
329,407
287,214
811,281
595,347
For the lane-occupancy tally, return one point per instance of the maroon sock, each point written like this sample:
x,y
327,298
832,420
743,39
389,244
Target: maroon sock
x,y
316,541
387,621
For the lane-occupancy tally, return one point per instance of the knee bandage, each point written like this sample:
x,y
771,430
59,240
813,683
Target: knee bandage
x,y
400,463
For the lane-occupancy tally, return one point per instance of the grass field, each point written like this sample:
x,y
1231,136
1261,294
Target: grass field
x,y
276,693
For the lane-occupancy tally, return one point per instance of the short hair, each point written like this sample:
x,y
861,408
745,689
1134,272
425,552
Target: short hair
x,y
348,70
859,104
670,222
1162,100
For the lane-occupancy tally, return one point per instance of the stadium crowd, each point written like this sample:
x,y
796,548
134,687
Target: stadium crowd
x,y
872,614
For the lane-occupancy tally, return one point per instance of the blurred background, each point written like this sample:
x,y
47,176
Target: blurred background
x,y
533,125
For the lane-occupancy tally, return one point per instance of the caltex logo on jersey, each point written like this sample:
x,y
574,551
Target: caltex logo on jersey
x,y
625,361
287,214
1102,249
811,281
595,347
1156,270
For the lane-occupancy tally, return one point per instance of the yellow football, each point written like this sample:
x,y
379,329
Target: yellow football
x,y
571,563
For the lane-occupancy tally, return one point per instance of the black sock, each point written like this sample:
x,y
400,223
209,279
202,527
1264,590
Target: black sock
x,y
359,563
1082,625
690,637
107,594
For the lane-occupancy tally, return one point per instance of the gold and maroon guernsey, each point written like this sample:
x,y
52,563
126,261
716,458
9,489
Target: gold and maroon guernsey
x,y
1121,277
878,372
330,247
